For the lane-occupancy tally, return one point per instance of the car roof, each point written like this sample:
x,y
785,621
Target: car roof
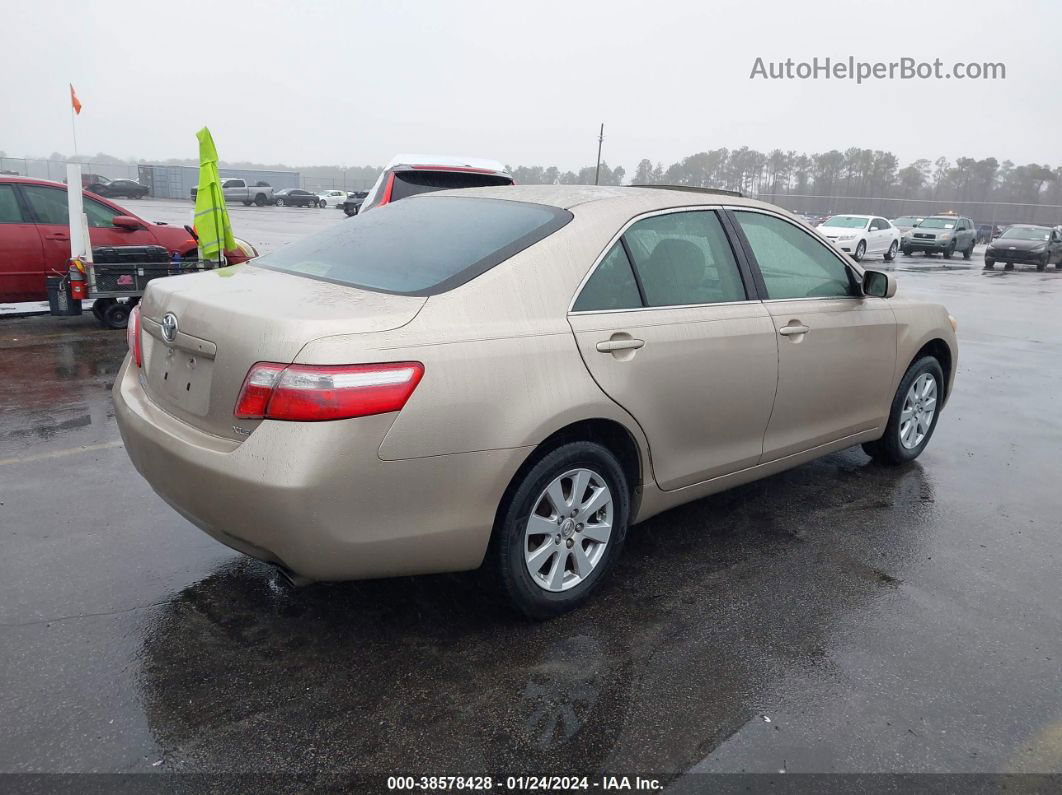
x,y
32,181
413,160
633,198
853,215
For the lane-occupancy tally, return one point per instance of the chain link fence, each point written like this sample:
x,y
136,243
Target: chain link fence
x,y
56,169
40,168
995,213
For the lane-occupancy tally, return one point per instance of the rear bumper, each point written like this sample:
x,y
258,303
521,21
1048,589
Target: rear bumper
x,y
316,497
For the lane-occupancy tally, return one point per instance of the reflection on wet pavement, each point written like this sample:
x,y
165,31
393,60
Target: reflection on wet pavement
x,y
840,616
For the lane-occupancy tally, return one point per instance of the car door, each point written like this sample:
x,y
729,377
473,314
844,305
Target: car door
x,y
836,347
873,237
49,209
666,327
883,232
22,271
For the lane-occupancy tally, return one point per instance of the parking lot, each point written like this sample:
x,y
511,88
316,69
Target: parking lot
x,y
838,617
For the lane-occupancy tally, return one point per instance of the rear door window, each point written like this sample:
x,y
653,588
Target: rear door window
x,y
421,247
9,209
612,285
684,258
48,204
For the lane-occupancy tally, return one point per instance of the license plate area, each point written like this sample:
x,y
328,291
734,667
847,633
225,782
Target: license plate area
x,y
181,378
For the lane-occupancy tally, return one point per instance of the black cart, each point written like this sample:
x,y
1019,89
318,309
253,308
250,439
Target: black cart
x,y
118,276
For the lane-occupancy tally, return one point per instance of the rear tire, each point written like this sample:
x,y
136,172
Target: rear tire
x,y
540,573
246,204
906,252
280,202
890,255
260,200
968,253
860,251
990,264
902,443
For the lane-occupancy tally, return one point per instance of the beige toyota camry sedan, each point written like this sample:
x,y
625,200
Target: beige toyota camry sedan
x,y
512,377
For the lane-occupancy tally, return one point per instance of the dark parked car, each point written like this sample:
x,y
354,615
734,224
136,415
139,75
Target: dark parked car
x,y
119,188
1037,245
294,197
354,202
944,234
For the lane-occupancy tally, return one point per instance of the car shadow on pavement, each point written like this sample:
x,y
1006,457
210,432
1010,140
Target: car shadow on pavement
x,y
711,603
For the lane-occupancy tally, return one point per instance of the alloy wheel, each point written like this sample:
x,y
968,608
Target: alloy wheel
x,y
568,530
919,407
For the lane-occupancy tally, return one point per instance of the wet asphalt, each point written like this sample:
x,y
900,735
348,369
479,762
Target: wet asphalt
x,y
840,617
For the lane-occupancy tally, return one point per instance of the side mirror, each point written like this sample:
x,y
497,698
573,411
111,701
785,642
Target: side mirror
x,y
126,222
878,284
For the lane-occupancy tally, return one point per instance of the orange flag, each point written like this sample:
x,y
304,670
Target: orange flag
x,y
75,101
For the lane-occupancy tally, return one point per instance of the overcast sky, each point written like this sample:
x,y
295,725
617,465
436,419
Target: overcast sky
x,y
353,82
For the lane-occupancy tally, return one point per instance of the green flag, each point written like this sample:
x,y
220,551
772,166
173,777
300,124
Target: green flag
x,y
212,223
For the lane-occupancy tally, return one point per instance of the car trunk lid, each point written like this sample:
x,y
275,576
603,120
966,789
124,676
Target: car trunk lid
x,y
202,332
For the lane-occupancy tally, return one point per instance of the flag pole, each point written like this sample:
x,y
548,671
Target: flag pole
x,y
73,129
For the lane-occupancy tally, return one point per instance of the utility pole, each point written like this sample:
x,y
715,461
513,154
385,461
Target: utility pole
x,y
600,140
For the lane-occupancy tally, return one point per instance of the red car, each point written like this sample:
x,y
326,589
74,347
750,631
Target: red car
x,y
35,234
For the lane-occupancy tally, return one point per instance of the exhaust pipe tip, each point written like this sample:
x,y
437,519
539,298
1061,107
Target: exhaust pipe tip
x,y
293,579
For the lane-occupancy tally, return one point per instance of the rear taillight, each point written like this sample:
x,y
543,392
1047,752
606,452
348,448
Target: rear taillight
x,y
132,336
311,393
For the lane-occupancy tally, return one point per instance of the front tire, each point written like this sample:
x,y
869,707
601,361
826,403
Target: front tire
x,y
280,202
914,414
562,529
947,252
1043,263
260,200
990,264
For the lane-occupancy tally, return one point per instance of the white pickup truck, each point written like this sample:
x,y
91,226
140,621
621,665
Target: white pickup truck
x,y
237,190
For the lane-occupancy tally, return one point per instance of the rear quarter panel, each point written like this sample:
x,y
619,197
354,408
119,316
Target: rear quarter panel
x,y
502,367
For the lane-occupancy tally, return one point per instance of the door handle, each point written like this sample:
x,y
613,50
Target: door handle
x,y
789,331
611,346
58,236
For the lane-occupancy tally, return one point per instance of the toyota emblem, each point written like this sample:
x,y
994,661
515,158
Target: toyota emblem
x,y
169,327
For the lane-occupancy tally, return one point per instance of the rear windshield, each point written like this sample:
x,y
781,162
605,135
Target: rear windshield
x,y
410,183
421,247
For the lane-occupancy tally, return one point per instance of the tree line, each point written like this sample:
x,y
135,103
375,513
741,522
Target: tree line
x,y
854,180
